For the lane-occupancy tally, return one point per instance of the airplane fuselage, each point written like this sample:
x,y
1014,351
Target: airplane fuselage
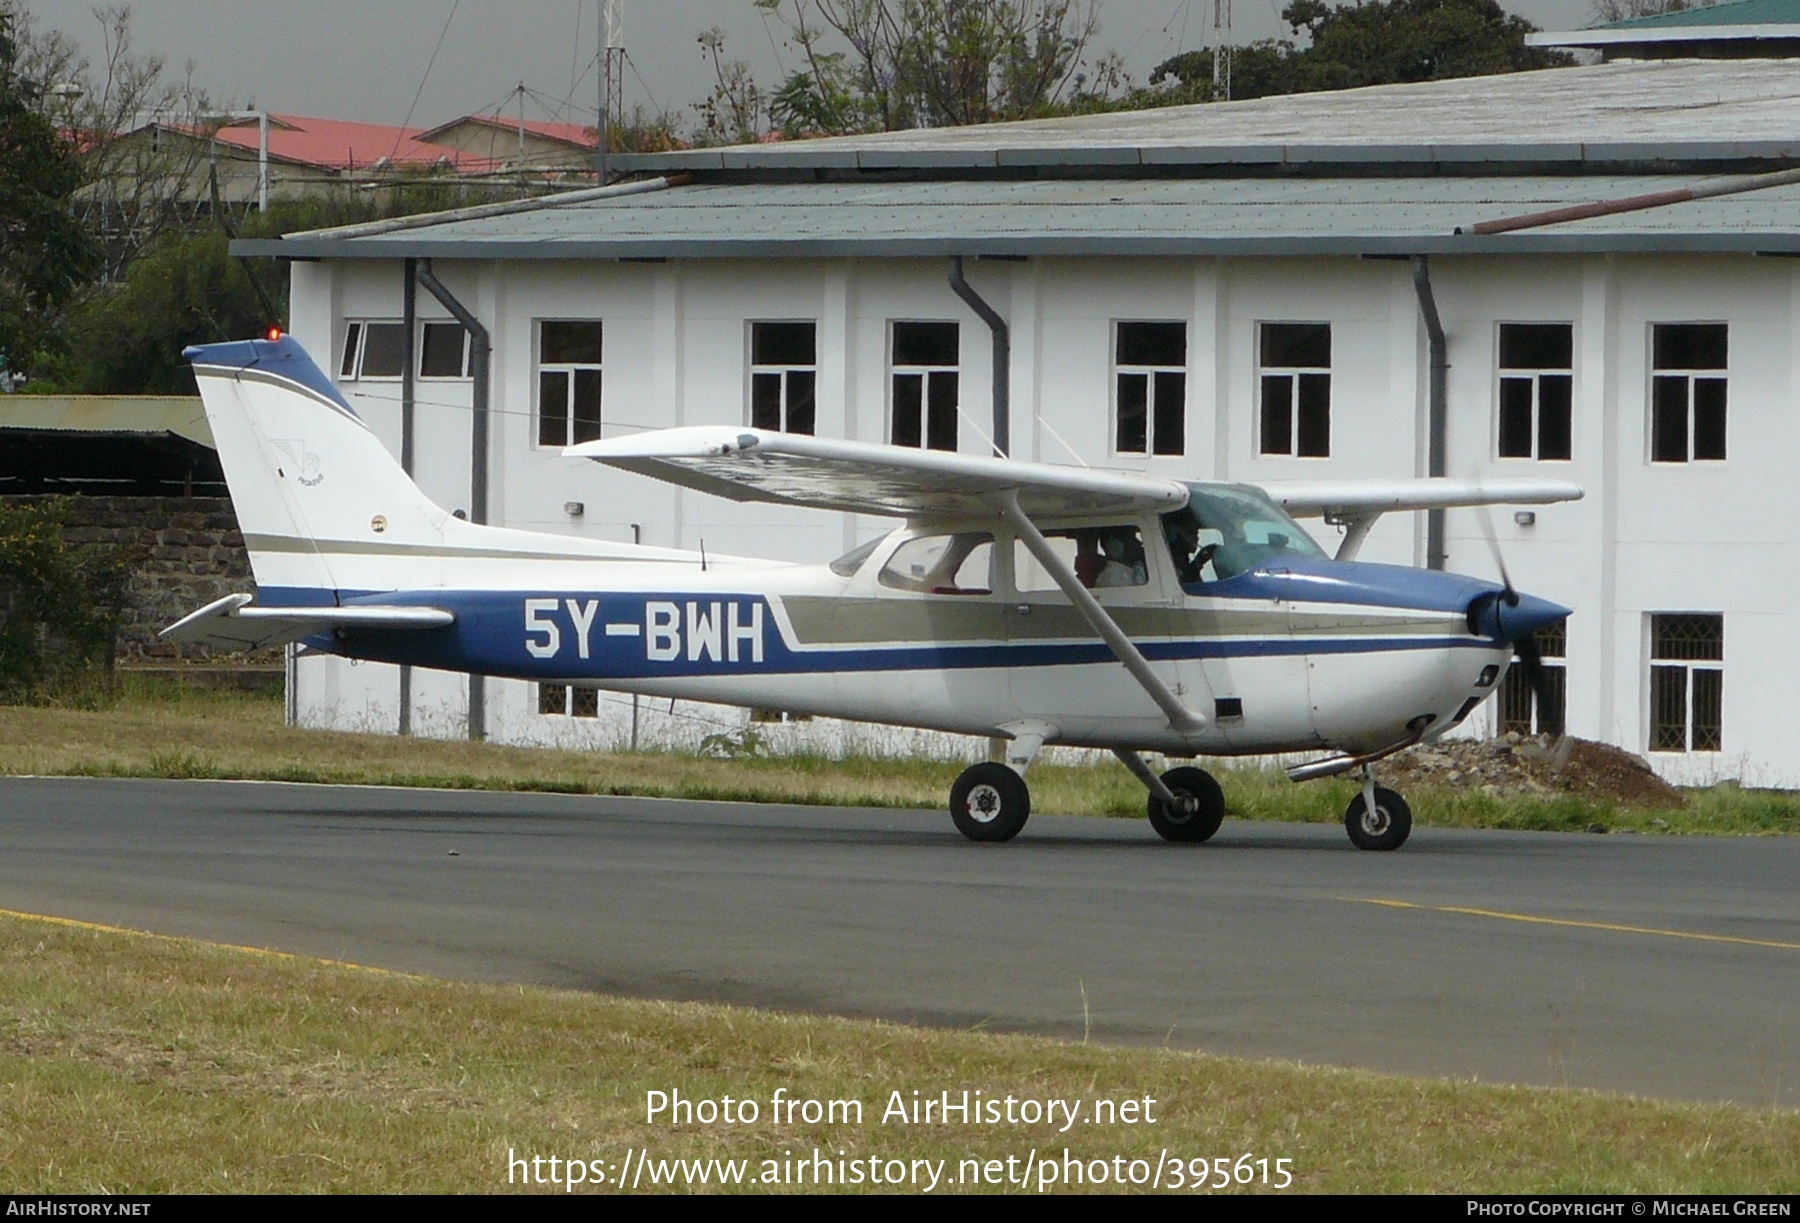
x,y
1284,658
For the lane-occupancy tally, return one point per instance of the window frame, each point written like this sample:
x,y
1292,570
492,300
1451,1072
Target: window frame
x,y
1504,373
1152,375
539,367
468,352
1691,376
1516,688
577,701
350,365
927,374
1292,374
1688,668
784,371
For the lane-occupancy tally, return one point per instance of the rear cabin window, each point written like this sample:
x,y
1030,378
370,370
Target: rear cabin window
x,y
961,564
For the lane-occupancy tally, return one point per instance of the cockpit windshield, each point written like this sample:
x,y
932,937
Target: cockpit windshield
x,y
1226,529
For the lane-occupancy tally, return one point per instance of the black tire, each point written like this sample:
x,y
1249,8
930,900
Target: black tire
x,y
1190,827
1386,829
989,802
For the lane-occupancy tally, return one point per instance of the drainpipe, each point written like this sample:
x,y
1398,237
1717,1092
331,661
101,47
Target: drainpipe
x,y
1436,444
478,451
1002,355
409,315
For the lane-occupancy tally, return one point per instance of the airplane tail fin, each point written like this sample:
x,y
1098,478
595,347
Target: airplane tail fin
x,y
324,508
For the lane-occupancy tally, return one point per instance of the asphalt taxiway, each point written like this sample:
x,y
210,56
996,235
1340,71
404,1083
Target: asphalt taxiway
x,y
1665,966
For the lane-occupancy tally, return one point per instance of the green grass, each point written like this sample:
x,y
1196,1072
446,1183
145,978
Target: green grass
x,y
161,728
141,1064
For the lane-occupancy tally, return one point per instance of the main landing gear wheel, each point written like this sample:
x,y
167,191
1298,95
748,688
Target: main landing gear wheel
x,y
1193,820
1387,827
989,802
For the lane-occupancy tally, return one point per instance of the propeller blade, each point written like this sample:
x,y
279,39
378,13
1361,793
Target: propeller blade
x,y
1531,661
1493,541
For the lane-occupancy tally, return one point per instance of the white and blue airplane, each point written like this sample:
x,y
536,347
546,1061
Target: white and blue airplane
x,y
1033,603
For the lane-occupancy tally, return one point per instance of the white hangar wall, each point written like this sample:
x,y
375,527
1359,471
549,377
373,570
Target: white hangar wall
x,y
1651,538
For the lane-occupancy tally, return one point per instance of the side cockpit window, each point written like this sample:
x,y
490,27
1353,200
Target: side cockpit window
x,y
1100,557
959,564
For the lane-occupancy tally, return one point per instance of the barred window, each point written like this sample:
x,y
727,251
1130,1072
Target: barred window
x,y
568,701
1520,710
1687,683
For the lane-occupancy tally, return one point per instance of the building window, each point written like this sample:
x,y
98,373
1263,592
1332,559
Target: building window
x,y
1687,683
784,372
1687,392
445,351
1520,710
569,370
1150,405
1536,390
1295,366
924,385
373,349
566,701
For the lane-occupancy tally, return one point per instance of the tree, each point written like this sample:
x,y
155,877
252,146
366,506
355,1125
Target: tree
x,y
886,65
45,255
1607,11
1383,42
138,183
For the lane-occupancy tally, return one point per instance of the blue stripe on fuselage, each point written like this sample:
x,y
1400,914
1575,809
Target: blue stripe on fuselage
x,y
601,636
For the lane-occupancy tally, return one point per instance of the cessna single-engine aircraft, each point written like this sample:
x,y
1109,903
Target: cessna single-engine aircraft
x,y
1029,602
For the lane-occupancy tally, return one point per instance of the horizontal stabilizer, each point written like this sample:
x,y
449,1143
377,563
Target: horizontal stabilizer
x,y
1351,499
230,623
865,478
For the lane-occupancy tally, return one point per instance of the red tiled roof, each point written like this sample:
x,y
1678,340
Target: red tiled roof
x,y
339,144
569,133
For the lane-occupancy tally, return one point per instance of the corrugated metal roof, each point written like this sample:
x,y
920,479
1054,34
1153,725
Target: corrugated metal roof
x,y
1743,12
1087,217
182,415
1660,111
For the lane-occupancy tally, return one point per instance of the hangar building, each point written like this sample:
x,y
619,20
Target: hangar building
x,y
1250,290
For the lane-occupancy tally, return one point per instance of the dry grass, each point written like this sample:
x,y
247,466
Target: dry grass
x,y
143,1064
167,731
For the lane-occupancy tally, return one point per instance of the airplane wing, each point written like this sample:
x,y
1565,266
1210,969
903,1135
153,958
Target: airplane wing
x,y
892,481
1343,500
230,623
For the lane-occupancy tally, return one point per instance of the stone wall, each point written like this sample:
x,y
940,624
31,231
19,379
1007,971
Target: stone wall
x,y
185,553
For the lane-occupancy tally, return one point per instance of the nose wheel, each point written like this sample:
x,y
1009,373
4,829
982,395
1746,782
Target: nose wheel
x,y
1378,818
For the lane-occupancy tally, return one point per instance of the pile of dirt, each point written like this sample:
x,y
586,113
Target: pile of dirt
x,y
1543,766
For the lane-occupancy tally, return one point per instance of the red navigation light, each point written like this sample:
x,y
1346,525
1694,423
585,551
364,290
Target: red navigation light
x,y
273,334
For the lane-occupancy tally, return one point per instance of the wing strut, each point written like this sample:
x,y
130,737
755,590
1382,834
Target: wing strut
x,y
1184,720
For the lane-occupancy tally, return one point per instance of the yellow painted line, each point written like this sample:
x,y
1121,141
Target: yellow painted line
x,y
70,922
1564,921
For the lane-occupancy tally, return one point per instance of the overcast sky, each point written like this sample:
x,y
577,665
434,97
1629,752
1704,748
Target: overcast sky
x,y
368,59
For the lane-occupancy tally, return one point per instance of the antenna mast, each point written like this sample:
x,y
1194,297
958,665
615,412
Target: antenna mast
x,y
612,79
1222,50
